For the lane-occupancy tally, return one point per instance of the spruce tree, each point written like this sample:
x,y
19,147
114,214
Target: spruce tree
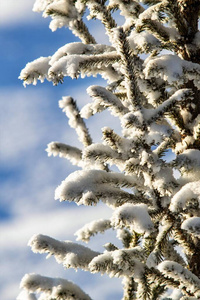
x,y
152,72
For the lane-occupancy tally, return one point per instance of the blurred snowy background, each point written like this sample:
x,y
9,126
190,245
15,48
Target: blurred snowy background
x,y
29,120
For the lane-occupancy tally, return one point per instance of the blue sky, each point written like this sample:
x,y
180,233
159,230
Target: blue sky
x,y
29,120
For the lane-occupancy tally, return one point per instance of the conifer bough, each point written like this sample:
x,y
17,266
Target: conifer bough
x,y
152,71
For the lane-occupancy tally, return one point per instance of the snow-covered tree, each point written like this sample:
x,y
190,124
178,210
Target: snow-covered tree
x,y
151,68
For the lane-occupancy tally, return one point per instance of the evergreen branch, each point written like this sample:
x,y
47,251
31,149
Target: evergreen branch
x,y
52,288
115,141
87,231
114,85
174,270
177,119
57,13
184,240
129,239
115,105
130,288
71,255
144,290
87,187
162,149
158,291
90,109
128,61
110,247
133,216
178,98
80,29
170,253
71,110
174,8
99,10
74,65
148,21
103,154
121,95
154,90
76,25
36,70
150,93
114,262
129,9
160,245
72,153
155,276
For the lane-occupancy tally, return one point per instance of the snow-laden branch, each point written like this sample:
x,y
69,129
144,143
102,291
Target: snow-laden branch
x,y
71,255
99,10
128,68
92,108
188,161
172,69
103,154
52,288
119,263
108,99
72,60
151,20
84,65
72,153
87,231
66,13
188,197
79,48
143,42
36,70
134,216
192,225
156,97
88,187
116,142
177,99
69,107
186,278
164,247
129,9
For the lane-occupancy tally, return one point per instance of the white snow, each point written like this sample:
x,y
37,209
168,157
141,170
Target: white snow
x,y
135,216
92,108
143,41
186,278
79,49
192,225
70,254
92,228
69,107
188,193
119,263
172,68
72,153
53,288
36,70
100,183
66,12
41,5
188,162
108,99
